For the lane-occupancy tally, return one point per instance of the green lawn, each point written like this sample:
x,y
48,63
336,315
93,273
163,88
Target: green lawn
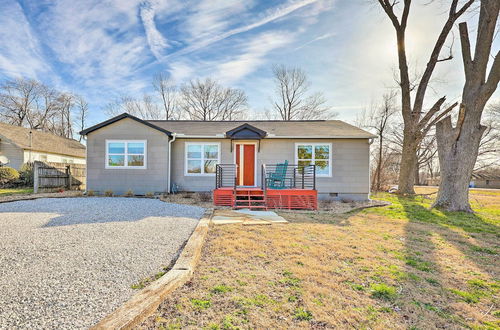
x,y
15,191
403,266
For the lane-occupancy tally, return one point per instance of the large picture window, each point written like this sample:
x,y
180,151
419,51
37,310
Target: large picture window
x,y
318,154
126,154
201,158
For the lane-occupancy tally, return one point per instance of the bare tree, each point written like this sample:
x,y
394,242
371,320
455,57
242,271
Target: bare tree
x,y
378,119
417,122
292,101
82,112
29,103
458,146
207,100
145,108
167,91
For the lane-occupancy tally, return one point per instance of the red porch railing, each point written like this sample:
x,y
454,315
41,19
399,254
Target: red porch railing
x,y
294,188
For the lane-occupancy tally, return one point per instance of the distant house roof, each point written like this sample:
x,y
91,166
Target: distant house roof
x,y
486,176
41,141
273,128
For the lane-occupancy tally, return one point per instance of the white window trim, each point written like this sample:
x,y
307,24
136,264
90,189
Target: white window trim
x,y
186,144
106,165
313,144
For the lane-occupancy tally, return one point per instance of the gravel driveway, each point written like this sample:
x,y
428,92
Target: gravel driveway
x,y
66,263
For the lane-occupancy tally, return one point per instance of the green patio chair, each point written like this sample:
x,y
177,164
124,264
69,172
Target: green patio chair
x,y
276,179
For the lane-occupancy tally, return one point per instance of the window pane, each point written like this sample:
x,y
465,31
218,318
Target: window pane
x,y
135,160
211,151
322,152
135,148
304,152
303,163
322,167
116,160
210,166
194,166
194,151
116,148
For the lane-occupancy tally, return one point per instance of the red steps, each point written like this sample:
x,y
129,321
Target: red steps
x,y
249,199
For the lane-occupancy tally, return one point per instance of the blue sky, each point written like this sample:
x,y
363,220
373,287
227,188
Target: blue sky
x,y
105,48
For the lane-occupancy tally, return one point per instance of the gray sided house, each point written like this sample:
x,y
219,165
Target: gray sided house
x,y
127,153
19,145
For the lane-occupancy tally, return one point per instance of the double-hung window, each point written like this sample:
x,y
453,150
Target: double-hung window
x,y
318,154
126,154
201,158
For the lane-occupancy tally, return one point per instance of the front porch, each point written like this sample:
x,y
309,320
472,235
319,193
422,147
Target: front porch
x,y
282,186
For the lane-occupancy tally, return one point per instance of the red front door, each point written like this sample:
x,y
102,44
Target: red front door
x,y
245,159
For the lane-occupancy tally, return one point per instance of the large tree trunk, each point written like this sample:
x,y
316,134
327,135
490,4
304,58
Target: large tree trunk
x,y
407,165
457,159
458,146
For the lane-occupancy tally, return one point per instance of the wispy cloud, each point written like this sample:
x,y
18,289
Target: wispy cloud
x,y
269,17
321,37
20,51
253,55
157,43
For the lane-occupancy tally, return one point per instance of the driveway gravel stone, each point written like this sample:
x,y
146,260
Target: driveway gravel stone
x,y
67,263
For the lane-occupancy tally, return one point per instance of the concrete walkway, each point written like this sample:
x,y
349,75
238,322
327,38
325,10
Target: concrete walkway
x,y
246,217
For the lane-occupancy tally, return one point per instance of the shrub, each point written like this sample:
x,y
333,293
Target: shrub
x,y
205,197
8,175
90,193
108,193
149,194
26,174
129,193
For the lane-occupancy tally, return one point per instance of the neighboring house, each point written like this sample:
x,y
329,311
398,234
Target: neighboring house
x,y
485,180
126,152
20,145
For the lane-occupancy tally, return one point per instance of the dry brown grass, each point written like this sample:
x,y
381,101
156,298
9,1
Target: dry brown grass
x,y
401,266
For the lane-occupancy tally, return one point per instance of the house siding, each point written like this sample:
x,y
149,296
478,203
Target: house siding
x,y
140,181
350,165
14,154
52,158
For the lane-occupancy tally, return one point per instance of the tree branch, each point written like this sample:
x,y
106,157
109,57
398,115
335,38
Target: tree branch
x,y
433,110
466,52
493,78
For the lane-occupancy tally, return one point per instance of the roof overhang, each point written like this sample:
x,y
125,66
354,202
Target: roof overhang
x,y
246,132
120,117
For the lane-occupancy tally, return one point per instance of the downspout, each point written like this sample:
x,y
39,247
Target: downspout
x,y
370,141
169,176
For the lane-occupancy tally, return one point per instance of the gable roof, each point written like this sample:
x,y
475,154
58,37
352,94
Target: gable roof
x,y
41,141
273,128
120,117
246,131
